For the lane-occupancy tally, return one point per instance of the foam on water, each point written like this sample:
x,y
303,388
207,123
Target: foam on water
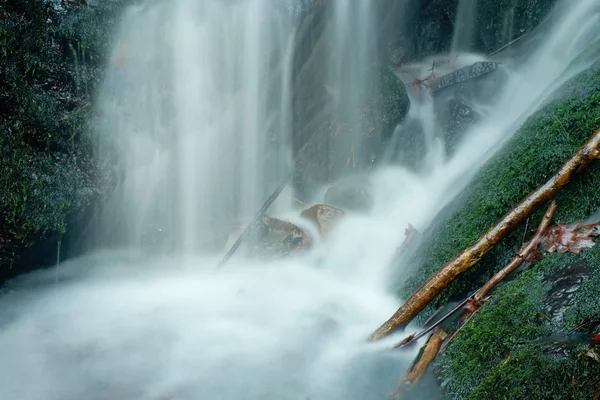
x,y
123,325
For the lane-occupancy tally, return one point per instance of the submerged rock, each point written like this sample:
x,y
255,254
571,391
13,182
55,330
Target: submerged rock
x,y
324,216
457,93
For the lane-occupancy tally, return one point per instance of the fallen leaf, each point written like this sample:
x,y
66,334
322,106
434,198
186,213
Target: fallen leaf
x,y
573,239
593,354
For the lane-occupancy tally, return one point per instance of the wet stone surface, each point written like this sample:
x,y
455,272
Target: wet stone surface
x,y
565,284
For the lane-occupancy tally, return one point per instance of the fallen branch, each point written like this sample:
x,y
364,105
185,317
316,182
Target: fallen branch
x,y
471,256
507,45
257,217
419,366
416,336
523,254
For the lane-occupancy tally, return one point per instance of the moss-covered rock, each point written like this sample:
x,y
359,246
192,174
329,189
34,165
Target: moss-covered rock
x,y
338,147
51,59
514,349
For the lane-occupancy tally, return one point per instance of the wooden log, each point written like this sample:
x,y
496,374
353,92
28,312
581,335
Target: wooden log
x,y
471,256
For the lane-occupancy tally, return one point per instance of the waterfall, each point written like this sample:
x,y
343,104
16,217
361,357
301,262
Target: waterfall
x,y
196,108
198,111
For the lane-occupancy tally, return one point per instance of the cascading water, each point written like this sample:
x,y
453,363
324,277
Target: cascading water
x,y
201,85
198,108
464,23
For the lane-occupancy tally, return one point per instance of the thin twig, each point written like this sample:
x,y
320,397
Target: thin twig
x,y
523,254
258,216
445,345
298,200
424,332
507,45
525,230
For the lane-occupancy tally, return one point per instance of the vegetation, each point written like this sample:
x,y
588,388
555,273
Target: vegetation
x,y
537,150
51,58
514,348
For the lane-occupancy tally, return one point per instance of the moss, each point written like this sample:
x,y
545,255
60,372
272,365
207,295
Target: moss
x,y
512,350
491,29
532,374
536,151
51,61
358,140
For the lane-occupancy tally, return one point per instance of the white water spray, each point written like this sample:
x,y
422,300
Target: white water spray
x,y
122,326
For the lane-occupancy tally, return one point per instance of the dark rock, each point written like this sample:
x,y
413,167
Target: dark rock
x,y
427,27
565,284
52,58
353,193
464,74
326,148
408,144
456,92
457,119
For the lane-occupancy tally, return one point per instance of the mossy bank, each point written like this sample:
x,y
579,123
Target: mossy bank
x,y
502,354
52,55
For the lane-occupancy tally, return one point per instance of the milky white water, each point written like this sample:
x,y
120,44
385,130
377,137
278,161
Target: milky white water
x,y
124,325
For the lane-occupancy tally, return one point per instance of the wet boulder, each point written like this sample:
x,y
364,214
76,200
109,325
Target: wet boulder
x,y
323,216
456,93
456,117
464,75
328,147
279,239
352,194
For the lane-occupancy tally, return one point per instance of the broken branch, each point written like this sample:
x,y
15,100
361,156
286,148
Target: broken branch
x,y
424,358
471,256
521,256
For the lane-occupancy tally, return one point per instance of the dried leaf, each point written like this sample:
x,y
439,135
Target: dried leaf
x,y
573,239
593,354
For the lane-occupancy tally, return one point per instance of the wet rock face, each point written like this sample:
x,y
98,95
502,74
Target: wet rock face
x,y
432,23
457,93
327,148
565,284
457,119
52,57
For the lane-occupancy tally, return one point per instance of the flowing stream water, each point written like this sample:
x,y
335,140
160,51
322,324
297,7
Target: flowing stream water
x,y
197,94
